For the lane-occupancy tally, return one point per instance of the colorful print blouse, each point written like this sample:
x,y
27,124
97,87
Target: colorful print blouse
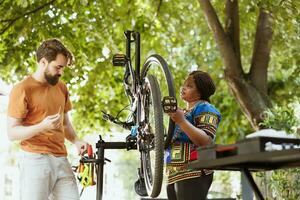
x,y
204,116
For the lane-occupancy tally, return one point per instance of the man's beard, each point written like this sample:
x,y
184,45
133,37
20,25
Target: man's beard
x,y
52,80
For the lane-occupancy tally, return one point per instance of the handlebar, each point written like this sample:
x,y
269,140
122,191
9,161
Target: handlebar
x,y
108,117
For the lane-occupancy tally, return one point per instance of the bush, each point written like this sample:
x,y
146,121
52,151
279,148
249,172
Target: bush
x,y
284,184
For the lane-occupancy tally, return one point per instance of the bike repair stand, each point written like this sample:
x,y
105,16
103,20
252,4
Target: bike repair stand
x,y
101,145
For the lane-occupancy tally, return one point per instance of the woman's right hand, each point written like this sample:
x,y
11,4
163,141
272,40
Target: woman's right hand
x,y
178,116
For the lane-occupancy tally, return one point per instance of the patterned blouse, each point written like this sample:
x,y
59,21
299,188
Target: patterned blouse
x,y
182,150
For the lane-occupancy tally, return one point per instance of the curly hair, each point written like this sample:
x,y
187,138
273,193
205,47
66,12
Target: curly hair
x,y
204,84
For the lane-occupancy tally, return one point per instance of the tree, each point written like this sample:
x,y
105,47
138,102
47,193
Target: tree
x,y
176,30
256,74
250,89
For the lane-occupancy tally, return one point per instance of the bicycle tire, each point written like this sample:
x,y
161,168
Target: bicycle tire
x,y
153,177
156,59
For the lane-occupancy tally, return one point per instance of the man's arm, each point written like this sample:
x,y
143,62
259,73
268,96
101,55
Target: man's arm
x,y
72,137
17,131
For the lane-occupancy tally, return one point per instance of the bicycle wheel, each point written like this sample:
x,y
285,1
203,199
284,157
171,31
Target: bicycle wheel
x,y
158,67
151,144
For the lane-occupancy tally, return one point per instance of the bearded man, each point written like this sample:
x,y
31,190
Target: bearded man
x,y
38,118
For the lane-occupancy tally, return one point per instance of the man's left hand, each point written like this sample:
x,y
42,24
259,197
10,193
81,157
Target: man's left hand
x,y
81,146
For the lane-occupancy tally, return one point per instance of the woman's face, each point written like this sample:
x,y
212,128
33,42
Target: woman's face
x,y
189,92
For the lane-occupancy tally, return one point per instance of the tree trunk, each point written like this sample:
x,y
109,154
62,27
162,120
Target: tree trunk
x,y
250,90
249,98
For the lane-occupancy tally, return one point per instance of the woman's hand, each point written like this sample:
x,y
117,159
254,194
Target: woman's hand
x,y
178,116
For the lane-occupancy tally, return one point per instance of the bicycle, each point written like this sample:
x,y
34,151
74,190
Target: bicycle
x,y
151,131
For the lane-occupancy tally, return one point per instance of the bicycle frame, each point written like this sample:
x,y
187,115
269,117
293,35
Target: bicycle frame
x,y
136,40
134,73
136,95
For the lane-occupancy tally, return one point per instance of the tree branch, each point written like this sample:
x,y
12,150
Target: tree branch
x,y
261,51
1,2
12,21
158,6
128,12
232,27
232,68
156,14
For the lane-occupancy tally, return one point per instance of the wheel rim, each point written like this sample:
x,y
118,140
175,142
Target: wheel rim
x,y
158,67
152,149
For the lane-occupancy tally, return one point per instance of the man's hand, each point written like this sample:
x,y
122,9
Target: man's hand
x,y
52,122
81,146
17,131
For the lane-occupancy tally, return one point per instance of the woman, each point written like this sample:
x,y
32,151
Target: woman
x,y
195,126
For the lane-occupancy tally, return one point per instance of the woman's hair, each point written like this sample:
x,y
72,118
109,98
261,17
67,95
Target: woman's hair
x,y
50,48
204,84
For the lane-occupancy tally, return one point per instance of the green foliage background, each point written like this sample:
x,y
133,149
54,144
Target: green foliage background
x,y
176,30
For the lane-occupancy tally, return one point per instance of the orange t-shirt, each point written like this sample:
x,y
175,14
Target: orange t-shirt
x,y
33,101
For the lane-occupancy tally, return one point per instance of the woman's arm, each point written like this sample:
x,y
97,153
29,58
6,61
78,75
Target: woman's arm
x,y
196,135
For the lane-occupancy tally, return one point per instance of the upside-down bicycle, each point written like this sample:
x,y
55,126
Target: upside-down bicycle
x,y
151,131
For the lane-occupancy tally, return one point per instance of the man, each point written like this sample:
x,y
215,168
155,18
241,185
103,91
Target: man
x,y
38,118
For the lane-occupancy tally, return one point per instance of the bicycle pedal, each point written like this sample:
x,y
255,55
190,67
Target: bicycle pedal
x,y
169,104
119,60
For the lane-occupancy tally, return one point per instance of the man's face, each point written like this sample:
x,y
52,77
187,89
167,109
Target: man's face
x,y
55,68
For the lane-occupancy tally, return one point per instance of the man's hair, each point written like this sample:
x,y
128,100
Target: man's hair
x,y
204,84
49,50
